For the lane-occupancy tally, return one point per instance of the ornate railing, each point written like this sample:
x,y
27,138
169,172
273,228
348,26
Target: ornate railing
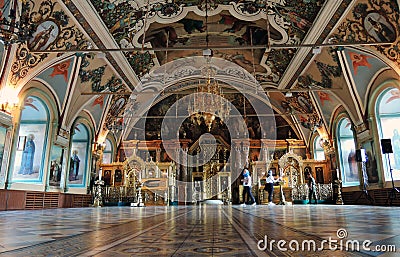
x,y
118,194
324,192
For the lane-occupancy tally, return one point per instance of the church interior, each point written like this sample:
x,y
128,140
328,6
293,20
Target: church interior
x,y
140,116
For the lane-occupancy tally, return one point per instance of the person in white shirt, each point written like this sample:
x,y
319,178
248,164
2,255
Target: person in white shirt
x,y
269,186
247,187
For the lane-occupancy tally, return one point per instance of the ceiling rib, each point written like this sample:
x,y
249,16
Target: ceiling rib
x,y
313,37
230,116
249,47
225,91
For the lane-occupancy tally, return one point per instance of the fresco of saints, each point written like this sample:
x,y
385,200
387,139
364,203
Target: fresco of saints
x,y
27,156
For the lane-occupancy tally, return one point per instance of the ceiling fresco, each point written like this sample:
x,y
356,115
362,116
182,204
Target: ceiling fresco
x,y
52,29
373,21
363,68
58,77
256,45
96,108
223,23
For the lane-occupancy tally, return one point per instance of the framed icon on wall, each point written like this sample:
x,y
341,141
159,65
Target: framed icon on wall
x,y
319,173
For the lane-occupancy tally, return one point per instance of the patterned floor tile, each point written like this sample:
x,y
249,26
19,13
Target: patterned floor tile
x,y
197,230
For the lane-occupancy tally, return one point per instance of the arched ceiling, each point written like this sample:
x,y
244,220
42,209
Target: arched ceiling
x,y
238,31
274,42
169,90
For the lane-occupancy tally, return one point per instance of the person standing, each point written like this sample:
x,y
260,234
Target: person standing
x,y
247,187
269,186
312,192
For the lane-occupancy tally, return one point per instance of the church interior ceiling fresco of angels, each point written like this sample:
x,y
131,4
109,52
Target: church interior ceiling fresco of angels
x,y
210,112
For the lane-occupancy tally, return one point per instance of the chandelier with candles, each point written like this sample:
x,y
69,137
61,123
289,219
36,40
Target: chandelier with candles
x,y
15,28
208,102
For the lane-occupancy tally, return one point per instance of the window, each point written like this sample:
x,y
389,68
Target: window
x,y
347,153
108,152
388,120
3,134
319,154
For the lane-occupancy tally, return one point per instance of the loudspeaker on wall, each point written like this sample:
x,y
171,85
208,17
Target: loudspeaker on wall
x,y
386,146
361,155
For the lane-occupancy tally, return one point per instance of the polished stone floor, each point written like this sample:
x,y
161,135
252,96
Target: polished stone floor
x,y
204,230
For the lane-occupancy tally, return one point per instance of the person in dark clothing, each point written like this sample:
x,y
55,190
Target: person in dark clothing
x,y
269,186
312,192
247,187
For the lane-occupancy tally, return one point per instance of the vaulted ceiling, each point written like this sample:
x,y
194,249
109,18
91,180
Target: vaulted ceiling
x,y
326,52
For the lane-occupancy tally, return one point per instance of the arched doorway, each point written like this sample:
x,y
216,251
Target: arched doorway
x,y
210,179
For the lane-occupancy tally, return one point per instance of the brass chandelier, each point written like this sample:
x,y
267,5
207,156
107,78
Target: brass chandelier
x,y
14,28
208,102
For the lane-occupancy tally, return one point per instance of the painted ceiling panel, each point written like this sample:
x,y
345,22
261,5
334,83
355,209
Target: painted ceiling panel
x,y
363,68
328,103
52,29
324,72
224,23
58,77
95,75
96,108
373,21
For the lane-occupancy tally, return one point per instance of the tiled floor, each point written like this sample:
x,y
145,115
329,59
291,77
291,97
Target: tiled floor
x,y
205,230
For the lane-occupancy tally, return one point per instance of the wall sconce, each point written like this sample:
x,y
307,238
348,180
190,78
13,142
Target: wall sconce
x,y
326,145
116,126
8,99
7,107
99,147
